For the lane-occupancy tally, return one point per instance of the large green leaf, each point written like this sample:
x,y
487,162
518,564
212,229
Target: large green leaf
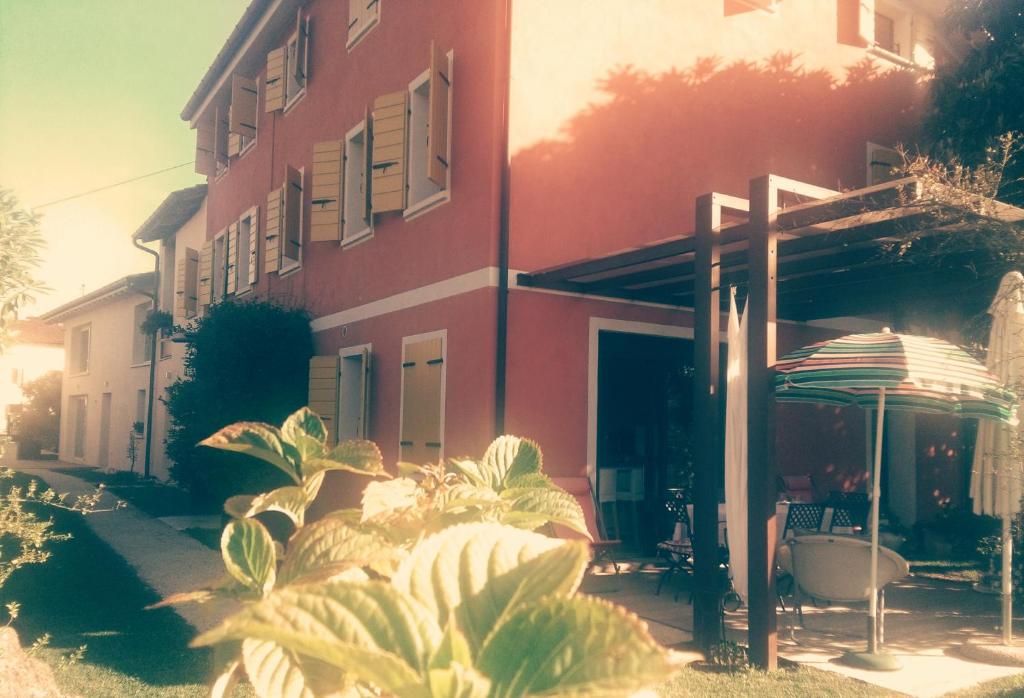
x,y
329,546
458,681
534,507
248,552
368,629
292,501
384,497
355,456
279,673
508,458
306,431
478,572
570,647
259,441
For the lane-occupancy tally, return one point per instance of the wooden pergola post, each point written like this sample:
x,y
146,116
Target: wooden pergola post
x,y
707,442
761,328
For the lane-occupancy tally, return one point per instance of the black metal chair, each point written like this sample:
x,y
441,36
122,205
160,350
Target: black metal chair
x,y
678,553
853,515
804,517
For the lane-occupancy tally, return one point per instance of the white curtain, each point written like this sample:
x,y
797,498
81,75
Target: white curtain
x,y
736,448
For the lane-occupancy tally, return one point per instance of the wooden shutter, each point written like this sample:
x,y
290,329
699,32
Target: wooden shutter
x,y
300,68
881,162
422,366
180,291
206,164
220,136
272,253
325,203
254,244
292,237
363,432
437,115
191,282
231,256
234,144
855,24
366,204
274,97
323,391
355,18
387,186
242,112
206,274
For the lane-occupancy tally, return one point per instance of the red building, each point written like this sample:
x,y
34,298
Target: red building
x,y
394,167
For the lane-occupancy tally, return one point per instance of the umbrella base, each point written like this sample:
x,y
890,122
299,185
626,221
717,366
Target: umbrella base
x,y
872,661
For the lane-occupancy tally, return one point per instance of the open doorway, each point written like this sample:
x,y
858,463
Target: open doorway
x,y
644,431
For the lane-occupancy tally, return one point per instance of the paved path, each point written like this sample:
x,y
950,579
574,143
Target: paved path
x,y
167,560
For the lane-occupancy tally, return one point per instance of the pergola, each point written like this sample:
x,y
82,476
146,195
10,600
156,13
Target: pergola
x,y
803,252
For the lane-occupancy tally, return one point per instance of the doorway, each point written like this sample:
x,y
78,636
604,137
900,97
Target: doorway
x,y
644,431
104,455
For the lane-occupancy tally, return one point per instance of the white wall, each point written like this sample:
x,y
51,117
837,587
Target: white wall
x,y
110,371
192,234
30,361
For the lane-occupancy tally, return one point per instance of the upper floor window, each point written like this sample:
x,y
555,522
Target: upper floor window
x,y
186,287
142,342
79,350
283,250
242,115
245,250
363,15
356,219
288,68
429,122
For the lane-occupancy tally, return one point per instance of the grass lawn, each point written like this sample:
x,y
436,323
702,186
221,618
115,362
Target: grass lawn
x,y
967,571
154,498
86,594
784,683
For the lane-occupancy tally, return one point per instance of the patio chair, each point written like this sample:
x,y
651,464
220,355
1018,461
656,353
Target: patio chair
x,y
796,488
678,553
838,568
853,516
804,517
600,546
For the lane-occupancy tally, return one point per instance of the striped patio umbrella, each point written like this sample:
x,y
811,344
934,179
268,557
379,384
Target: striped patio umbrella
x,y
885,370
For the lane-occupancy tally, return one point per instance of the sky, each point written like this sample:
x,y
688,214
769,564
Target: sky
x,y
90,95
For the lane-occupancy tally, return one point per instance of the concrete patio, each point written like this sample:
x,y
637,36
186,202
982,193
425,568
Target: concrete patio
x,y
927,621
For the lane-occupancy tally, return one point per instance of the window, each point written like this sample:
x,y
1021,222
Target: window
x,y
246,238
357,223
219,271
79,359
296,62
291,242
17,376
168,265
140,409
429,146
423,378
142,342
325,197
77,408
323,391
885,33
242,115
363,15
186,286
354,393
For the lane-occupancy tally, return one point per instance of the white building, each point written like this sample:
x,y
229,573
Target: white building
x,y
106,372
33,348
179,225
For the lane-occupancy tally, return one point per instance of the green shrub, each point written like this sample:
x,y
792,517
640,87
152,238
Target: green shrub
x,y
244,362
36,427
437,586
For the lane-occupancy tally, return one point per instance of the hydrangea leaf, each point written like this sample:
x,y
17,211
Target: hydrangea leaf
x,y
259,441
248,552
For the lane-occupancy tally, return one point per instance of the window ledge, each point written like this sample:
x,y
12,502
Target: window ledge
x,y
355,238
139,365
248,146
289,270
79,375
899,60
427,204
351,44
293,101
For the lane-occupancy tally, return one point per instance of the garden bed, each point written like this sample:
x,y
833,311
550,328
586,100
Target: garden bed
x,y
151,496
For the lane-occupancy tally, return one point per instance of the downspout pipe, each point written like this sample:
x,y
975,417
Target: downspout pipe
x,y
155,297
504,70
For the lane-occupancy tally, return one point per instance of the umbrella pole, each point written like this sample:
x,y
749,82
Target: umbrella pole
x,y
876,490
1007,582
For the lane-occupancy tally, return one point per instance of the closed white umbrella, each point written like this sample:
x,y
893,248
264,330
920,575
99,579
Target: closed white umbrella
x,y
736,449
996,470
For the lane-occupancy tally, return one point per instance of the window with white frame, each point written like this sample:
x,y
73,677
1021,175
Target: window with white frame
x,y
245,225
292,220
430,100
354,393
80,346
357,221
142,342
220,276
296,68
140,409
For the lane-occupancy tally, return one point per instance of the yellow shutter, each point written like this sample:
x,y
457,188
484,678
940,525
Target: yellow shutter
x,y
180,284
387,188
242,112
422,367
323,391
881,164
300,70
254,244
206,274
234,144
292,234
325,203
363,430
274,97
220,136
437,115
855,22
366,176
205,162
272,253
191,282
231,255
355,18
